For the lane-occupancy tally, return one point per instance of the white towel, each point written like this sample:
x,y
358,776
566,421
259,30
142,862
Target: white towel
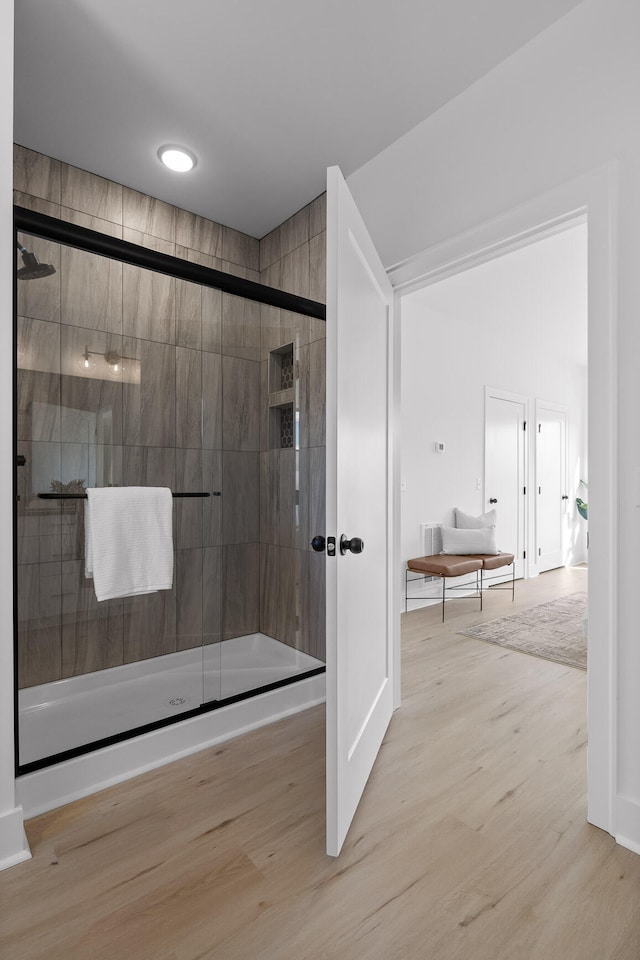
x,y
129,540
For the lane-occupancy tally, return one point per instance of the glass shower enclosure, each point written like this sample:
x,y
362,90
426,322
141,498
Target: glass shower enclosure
x,y
135,368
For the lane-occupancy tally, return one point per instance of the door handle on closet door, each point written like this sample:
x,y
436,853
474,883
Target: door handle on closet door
x,y
492,500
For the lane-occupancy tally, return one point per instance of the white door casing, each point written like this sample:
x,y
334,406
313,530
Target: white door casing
x,y
505,466
551,497
359,586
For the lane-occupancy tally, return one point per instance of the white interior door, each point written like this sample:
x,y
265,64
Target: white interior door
x,y
359,634
551,484
505,470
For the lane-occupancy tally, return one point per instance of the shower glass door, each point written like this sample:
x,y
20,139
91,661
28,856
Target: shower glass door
x,y
130,376
116,386
266,579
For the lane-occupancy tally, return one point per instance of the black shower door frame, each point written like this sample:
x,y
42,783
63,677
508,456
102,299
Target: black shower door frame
x,y
90,241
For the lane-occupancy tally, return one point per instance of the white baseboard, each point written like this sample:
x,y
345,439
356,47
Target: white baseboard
x,y
64,782
628,823
14,847
628,844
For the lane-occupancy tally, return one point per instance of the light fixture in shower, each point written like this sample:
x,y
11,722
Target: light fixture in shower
x,y
33,269
111,362
177,158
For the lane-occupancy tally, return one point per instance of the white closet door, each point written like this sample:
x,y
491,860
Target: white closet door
x,y
505,470
551,485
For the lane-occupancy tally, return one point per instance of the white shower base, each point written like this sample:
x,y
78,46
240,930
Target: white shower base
x,y
55,717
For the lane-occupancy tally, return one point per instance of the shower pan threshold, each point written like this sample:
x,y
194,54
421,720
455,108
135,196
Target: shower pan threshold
x,y
63,715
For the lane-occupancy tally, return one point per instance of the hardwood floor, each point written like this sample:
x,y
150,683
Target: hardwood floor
x,y
470,842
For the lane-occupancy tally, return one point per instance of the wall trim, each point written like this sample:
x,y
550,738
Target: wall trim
x,y
592,196
14,847
628,824
486,242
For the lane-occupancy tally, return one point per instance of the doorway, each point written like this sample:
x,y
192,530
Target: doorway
x,y
484,346
594,196
480,349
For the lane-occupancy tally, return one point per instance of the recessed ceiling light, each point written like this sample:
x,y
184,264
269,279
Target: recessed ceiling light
x,y
177,158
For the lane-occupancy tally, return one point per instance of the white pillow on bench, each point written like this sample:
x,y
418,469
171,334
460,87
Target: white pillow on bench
x,y
456,541
464,521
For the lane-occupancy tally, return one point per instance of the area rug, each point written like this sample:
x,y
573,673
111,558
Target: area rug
x,y
554,631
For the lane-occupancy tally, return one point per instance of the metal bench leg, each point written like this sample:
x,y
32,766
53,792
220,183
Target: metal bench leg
x,y
513,582
444,580
481,586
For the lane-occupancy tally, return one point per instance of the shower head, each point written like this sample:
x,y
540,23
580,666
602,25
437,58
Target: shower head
x,y
33,269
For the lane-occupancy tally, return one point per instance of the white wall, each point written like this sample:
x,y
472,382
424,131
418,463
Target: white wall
x,y
547,118
12,841
559,107
518,323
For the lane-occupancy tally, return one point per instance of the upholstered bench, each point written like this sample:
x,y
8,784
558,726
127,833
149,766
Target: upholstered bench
x,y
449,566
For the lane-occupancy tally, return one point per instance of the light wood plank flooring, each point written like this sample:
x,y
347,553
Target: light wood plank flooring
x,y
470,843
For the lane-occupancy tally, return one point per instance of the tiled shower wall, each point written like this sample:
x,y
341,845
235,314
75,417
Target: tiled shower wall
x,y
292,595
189,340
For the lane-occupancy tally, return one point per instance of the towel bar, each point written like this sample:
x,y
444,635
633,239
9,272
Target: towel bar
x,y
83,496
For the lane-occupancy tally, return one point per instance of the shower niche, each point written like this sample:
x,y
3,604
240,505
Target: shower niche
x,y
206,397
282,399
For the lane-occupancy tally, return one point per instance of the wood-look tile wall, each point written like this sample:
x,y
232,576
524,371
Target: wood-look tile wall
x,y
292,480
193,422
197,420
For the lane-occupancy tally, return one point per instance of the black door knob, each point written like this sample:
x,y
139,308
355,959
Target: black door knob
x,y
565,496
492,500
318,544
355,545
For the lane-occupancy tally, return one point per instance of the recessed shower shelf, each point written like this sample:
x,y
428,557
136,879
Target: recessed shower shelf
x,y
282,398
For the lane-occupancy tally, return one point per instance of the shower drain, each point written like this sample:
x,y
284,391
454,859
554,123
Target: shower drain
x,y
177,701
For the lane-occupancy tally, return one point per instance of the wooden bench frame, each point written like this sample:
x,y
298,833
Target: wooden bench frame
x,y
447,566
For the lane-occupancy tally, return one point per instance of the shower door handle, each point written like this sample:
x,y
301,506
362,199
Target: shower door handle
x,y
21,460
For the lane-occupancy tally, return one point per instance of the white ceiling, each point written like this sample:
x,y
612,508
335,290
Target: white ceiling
x,y
267,93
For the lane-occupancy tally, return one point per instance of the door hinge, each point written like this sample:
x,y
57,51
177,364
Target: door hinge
x,y
539,551
524,424
539,428
524,554
524,491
